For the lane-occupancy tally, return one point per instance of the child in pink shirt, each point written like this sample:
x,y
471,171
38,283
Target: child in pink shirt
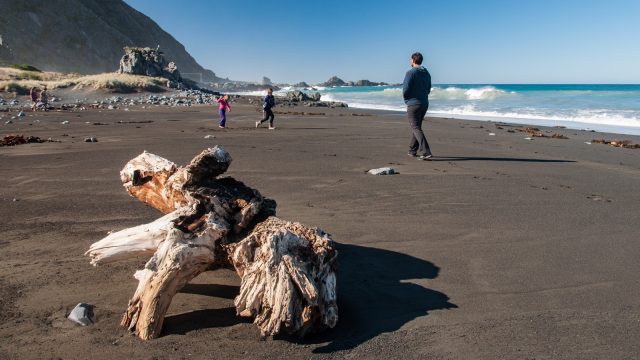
x,y
223,108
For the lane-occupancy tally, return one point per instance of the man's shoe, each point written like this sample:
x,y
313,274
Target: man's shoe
x,y
257,124
272,127
425,157
412,155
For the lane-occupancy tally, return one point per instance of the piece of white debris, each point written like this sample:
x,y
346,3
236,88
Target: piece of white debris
x,y
492,134
82,314
65,122
209,136
587,142
528,138
382,171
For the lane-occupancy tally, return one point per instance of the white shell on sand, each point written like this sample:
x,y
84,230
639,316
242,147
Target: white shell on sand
x,y
382,171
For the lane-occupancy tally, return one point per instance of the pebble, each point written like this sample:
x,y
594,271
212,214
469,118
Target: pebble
x,y
21,114
65,122
209,136
82,314
91,139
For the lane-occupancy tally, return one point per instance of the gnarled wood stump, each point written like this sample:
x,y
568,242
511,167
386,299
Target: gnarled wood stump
x,y
287,270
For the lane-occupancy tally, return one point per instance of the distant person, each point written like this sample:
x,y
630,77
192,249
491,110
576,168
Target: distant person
x,y
44,98
415,90
223,109
33,94
268,103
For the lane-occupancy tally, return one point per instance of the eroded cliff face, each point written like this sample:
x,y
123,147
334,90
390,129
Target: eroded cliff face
x,y
84,36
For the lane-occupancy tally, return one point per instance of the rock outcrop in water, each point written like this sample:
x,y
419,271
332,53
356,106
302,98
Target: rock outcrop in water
x,y
333,81
336,81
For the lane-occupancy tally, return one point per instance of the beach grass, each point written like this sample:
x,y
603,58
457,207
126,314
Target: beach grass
x,y
20,81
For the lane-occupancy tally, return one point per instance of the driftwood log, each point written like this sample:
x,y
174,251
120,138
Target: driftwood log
x,y
287,270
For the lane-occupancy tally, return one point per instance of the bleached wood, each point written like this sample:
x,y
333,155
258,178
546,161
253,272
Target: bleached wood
x,y
142,240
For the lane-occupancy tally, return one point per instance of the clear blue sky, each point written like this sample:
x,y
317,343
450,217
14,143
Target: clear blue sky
x,y
470,41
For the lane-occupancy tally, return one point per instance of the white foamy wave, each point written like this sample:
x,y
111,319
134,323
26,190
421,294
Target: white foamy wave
x,y
455,93
393,91
601,118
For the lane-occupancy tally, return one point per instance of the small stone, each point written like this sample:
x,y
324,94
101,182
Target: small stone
x,y
8,122
382,171
21,114
210,137
91,139
66,122
82,314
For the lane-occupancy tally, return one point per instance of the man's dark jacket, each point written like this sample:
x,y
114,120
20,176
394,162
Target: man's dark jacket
x,y
416,86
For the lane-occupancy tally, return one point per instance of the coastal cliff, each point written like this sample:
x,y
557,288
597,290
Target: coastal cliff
x,y
84,36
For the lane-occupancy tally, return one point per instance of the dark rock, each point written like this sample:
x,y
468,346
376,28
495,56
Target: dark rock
x,y
149,62
299,96
333,81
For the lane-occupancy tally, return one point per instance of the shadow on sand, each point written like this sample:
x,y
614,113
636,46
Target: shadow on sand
x,y
481,158
374,297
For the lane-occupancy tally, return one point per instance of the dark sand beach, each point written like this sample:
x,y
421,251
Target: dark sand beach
x,y
500,248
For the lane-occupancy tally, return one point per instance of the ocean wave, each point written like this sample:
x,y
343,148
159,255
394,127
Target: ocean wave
x,y
590,116
456,93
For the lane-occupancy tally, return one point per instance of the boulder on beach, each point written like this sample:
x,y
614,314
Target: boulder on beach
x,y
296,96
149,62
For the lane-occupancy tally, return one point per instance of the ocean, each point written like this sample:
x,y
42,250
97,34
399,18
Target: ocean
x,y
606,108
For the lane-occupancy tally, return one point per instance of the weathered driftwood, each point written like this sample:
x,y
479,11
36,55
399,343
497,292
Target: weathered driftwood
x,y
287,270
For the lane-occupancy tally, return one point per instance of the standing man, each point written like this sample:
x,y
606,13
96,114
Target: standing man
x,y
267,114
415,90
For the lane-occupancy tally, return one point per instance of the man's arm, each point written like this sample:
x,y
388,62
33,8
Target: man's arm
x,y
406,85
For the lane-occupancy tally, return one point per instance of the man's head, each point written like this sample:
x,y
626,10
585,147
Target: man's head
x,y
270,91
416,59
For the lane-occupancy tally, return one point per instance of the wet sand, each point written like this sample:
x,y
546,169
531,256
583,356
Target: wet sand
x,y
499,248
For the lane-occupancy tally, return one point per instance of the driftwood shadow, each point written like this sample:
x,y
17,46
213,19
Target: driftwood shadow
x,y
483,158
184,323
375,296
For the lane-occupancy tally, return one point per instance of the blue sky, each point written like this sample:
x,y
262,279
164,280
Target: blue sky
x,y
490,41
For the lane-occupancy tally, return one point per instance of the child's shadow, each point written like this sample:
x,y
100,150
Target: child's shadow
x,y
375,297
